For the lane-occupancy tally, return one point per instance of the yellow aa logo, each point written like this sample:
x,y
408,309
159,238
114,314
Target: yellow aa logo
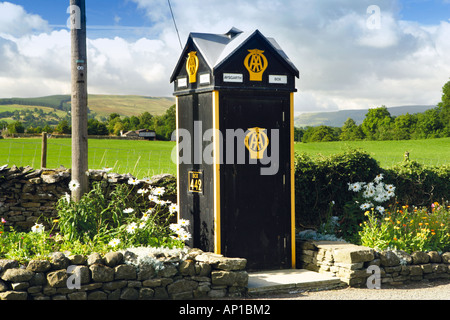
x,y
256,142
192,66
256,63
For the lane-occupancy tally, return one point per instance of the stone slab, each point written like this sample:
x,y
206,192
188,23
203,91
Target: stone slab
x,y
289,280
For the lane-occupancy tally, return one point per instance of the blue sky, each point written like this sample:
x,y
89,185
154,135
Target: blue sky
x,y
113,13
425,11
133,46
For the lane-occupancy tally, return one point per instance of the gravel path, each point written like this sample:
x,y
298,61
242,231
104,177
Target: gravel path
x,y
424,290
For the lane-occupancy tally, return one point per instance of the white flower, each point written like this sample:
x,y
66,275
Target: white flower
x,y
162,202
378,178
132,227
147,180
380,209
38,228
114,242
153,198
366,205
185,236
158,191
145,216
390,187
390,194
74,185
128,210
382,197
366,194
173,208
133,181
183,222
176,227
142,191
142,225
67,197
354,186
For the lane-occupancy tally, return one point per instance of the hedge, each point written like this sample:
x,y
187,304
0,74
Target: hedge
x,y
321,184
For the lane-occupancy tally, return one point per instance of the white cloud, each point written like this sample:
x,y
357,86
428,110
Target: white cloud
x,y
342,63
16,21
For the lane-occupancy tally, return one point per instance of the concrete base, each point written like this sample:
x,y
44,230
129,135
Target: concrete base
x,y
289,280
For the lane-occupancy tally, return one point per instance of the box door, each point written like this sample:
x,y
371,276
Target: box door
x,y
255,207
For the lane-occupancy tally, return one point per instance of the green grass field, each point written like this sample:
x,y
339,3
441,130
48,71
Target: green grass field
x,y
387,153
147,158
140,158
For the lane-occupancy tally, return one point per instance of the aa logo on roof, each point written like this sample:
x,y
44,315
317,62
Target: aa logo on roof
x,y
256,142
256,63
192,66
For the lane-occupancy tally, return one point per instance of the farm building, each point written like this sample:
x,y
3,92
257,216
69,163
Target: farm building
x,y
141,133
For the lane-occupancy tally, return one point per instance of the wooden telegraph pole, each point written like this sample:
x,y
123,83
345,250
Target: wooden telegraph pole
x,y
79,97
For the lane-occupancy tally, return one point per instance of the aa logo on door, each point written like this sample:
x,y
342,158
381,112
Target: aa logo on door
x,y
256,141
192,66
256,63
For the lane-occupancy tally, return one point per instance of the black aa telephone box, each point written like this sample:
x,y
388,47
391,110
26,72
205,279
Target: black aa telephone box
x,y
235,146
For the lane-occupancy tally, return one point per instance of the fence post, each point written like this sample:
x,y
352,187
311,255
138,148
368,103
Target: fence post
x,y
44,150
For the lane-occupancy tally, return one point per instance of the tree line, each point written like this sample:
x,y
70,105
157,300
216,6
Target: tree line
x,y
114,124
380,125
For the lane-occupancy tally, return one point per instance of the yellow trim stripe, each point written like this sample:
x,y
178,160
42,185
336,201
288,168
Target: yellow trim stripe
x,y
217,233
178,158
292,183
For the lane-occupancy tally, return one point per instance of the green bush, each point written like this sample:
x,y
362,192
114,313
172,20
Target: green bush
x,y
419,184
325,180
102,221
127,215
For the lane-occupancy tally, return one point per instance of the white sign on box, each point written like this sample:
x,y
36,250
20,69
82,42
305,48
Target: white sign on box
x,y
279,79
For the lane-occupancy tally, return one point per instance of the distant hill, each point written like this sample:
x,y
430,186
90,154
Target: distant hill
x,y
337,118
103,105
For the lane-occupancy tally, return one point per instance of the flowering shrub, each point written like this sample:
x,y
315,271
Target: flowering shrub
x,y
129,218
40,244
408,228
368,196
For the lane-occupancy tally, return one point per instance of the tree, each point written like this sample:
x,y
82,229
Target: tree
x,y
444,109
298,134
404,126
351,131
320,133
96,127
145,120
166,124
134,123
16,127
63,127
376,124
113,116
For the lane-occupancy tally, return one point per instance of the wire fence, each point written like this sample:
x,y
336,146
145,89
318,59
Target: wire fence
x,y
140,162
144,158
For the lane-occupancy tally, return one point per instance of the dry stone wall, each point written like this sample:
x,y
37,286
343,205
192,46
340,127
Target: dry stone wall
x,y
350,262
28,194
188,274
